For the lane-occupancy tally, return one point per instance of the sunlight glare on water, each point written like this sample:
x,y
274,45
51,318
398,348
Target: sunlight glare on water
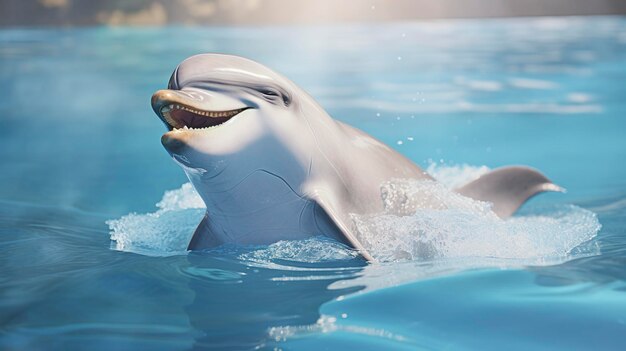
x,y
89,262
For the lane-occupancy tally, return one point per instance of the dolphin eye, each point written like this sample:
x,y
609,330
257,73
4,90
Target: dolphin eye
x,y
274,95
270,92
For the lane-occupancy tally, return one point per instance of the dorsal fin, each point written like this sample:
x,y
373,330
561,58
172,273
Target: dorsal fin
x,y
508,188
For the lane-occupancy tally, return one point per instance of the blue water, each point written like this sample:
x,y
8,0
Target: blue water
x,y
81,153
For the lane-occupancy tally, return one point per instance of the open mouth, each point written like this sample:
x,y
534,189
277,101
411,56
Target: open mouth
x,y
181,116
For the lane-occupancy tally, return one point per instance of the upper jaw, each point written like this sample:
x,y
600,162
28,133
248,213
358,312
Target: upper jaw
x,y
179,110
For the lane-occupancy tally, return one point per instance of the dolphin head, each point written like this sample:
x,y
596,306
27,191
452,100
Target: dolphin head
x,y
210,97
223,111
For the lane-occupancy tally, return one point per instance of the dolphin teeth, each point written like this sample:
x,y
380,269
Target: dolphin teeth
x,y
181,121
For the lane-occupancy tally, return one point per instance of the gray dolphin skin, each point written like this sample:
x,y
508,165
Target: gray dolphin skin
x,y
271,164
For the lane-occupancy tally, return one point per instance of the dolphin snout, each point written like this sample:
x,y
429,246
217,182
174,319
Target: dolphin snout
x,y
161,98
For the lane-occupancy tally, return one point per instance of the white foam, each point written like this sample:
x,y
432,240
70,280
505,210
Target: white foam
x,y
180,199
168,231
164,232
315,249
421,221
425,220
328,324
454,176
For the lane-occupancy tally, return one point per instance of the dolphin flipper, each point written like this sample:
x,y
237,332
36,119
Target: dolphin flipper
x,y
507,188
340,218
202,237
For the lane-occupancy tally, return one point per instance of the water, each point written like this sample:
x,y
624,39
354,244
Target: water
x,y
82,164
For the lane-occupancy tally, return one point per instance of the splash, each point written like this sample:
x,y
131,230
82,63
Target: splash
x,y
454,176
164,232
311,250
425,220
421,221
168,231
328,324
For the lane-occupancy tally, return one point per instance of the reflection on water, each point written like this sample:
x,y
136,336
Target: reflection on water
x,y
81,147
262,297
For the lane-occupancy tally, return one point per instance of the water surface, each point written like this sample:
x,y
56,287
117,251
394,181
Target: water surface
x,y
81,149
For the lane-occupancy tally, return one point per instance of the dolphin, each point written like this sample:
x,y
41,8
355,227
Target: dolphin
x,y
270,164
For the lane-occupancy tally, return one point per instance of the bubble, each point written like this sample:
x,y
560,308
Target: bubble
x,y
421,220
164,232
454,176
315,249
168,231
425,220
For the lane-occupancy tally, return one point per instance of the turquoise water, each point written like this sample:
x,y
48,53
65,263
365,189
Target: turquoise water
x,y
81,154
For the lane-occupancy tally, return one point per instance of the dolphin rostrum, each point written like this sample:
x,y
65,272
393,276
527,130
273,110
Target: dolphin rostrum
x,y
271,164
